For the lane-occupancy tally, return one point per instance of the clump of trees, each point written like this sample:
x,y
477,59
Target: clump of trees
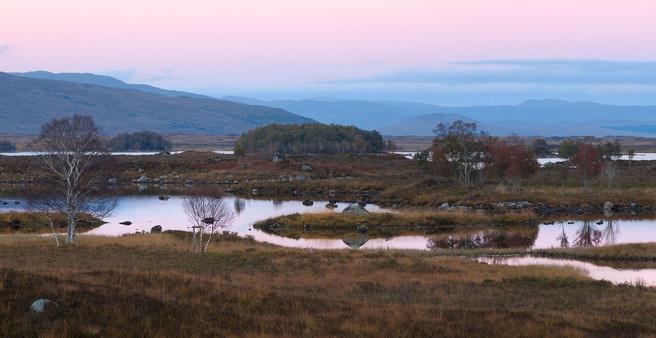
x,y
310,138
142,140
512,162
6,146
607,151
458,151
587,163
541,148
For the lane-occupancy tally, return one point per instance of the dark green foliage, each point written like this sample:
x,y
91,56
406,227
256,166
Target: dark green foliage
x,y
609,150
143,140
541,148
568,148
311,138
239,150
6,146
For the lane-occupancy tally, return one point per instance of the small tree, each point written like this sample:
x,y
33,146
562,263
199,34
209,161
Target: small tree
x,y
74,154
587,163
208,213
455,150
390,146
50,203
568,148
6,146
608,173
612,150
541,147
630,153
513,162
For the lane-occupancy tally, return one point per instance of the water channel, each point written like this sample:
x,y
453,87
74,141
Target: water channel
x,y
144,212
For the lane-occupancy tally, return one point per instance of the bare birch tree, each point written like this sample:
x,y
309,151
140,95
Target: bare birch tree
x,y
208,213
73,152
50,203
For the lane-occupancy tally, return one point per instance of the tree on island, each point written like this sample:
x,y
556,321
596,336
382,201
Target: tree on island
x,y
310,138
74,154
142,140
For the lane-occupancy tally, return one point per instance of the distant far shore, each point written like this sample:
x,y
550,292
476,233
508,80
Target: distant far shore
x,y
208,142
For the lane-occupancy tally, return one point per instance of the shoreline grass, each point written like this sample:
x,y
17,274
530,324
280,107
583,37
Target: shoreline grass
x,y
152,285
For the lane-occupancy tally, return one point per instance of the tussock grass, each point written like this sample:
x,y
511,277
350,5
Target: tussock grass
x,y
152,285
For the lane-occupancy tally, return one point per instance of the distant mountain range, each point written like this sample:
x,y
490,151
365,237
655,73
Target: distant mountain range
x,y
27,102
530,118
29,99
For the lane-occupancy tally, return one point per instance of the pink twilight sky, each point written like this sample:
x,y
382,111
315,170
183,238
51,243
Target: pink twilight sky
x,y
266,43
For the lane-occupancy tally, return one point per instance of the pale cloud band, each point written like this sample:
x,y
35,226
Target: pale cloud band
x,y
525,71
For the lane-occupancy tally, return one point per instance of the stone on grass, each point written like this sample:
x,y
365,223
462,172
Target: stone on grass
x,y
355,209
40,305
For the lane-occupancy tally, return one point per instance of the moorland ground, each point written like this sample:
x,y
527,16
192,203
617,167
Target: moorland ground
x,y
153,285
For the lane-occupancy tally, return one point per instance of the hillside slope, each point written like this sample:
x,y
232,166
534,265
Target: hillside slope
x,y
25,103
108,81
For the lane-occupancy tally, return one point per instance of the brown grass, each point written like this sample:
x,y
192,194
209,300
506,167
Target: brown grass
x,y
152,285
404,218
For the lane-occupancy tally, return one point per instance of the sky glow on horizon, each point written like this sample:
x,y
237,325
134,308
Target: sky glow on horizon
x,y
323,48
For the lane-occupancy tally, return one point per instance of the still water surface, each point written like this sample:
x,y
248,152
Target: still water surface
x,y
644,277
147,211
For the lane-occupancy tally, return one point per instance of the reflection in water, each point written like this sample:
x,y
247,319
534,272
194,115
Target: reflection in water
x,y
146,211
588,235
355,242
522,238
610,232
646,277
239,205
563,236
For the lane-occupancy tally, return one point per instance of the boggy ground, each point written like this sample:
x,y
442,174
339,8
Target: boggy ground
x,y
388,179
152,285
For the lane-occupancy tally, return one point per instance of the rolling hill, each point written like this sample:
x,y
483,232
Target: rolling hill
x,y
25,103
107,81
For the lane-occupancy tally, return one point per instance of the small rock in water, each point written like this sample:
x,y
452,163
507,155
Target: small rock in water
x,y
126,223
307,203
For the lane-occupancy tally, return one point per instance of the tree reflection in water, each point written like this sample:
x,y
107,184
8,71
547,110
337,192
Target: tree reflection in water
x,y
588,235
563,236
524,238
611,231
239,205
